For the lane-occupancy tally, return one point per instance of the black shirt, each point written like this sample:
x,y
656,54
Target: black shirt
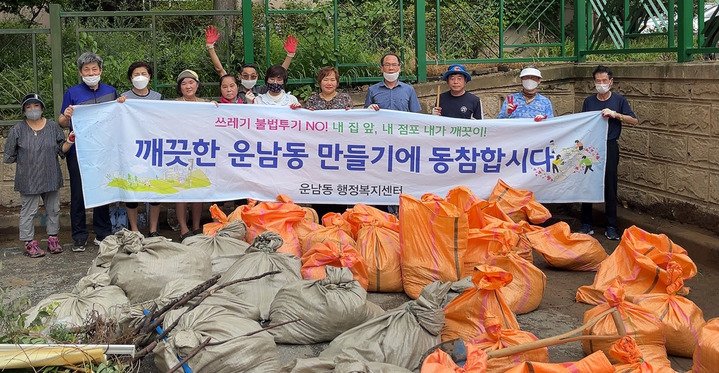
x,y
615,102
466,106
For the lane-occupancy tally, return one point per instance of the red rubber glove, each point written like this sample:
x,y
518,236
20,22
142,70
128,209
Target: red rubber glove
x,y
540,118
511,107
211,35
71,137
291,45
295,106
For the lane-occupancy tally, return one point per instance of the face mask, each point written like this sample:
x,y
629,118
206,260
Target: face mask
x,y
33,114
275,87
529,84
140,82
248,84
602,88
391,77
91,81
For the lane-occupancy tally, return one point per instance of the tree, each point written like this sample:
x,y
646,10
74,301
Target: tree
x,y
27,10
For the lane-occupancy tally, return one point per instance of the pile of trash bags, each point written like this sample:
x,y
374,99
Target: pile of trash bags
x,y
466,264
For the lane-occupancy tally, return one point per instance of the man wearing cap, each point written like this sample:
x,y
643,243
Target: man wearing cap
x,y
458,103
527,103
615,107
391,93
90,91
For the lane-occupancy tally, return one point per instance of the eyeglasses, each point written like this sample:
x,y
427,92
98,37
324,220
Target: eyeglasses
x,y
391,65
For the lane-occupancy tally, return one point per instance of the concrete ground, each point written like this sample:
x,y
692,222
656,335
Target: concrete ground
x,y
557,314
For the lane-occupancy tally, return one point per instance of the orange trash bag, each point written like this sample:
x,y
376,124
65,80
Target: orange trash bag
x,y
496,338
566,250
640,260
482,242
640,324
519,204
433,240
362,214
331,254
682,319
706,355
632,359
220,220
465,315
279,217
525,292
594,363
310,213
466,201
334,228
440,362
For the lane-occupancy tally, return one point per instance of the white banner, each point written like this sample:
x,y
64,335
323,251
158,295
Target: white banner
x,y
172,151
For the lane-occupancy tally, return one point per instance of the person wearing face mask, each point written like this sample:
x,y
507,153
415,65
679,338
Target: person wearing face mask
x,y
616,108
139,74
90,91
276,95
35,144
527,103
458,103
249,72
390,93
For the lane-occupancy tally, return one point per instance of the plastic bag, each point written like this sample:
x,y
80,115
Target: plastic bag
x,y
220,220
279,217
594,363
433,240
706,355
334,228
496,338
519,204
640,261
465,315
525,292
440,362
632,359
566,250
682,319
331,253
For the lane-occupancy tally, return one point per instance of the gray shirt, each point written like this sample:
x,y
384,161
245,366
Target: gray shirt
x,y
152,95
36,154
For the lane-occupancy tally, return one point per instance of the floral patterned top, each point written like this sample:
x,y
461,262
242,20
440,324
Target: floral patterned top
x,y
340,101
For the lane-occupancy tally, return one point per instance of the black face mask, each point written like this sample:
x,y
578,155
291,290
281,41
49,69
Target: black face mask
x,y
275,87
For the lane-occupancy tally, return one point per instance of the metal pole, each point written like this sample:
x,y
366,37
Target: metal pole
x,y
421,41
56,57
580,29
248,39
685,30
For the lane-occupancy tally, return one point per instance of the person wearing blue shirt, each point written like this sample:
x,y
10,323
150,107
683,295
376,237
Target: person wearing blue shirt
x,y
90,91
527,103
616,108
391,93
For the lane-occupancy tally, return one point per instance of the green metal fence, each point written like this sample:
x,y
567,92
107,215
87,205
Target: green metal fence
x,y
348,34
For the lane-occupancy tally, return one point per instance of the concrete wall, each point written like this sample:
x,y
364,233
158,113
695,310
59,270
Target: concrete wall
x,y
670,162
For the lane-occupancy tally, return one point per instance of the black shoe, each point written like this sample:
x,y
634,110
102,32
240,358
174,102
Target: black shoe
x,y
153,234
186,235
78,246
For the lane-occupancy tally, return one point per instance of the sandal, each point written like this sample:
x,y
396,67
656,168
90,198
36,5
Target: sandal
x,y
53,245
33,250
153,234
186,235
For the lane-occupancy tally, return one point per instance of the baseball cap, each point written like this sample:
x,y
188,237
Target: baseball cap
x,y
188,74
31,99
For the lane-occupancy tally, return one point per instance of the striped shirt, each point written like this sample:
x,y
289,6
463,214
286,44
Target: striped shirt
x,y
36,154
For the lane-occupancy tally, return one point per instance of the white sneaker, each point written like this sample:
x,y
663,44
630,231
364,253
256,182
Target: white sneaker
x,y
96,242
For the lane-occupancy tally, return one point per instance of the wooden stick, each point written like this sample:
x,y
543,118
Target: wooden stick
x,y
567,337
437,103
189,356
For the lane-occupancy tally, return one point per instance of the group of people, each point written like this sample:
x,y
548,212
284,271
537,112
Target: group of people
x,y
36,142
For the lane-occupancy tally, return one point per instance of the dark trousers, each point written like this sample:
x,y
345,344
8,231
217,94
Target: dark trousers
x,y
610,188
100,215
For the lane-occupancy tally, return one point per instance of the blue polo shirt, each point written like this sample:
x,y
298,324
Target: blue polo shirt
x,y
401,97
81,94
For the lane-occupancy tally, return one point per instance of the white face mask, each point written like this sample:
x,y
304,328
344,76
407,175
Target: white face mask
x,y
391,77
602,88
529,84
140,82
248,84
91,81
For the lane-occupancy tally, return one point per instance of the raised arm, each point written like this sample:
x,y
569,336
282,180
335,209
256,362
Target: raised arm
x,y
211,36
291,49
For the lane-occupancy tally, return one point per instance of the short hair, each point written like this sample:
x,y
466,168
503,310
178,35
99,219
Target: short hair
x,y
327,70
88,57
222,78
602,69
276,71
381,60
178,87
137,64
250,65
